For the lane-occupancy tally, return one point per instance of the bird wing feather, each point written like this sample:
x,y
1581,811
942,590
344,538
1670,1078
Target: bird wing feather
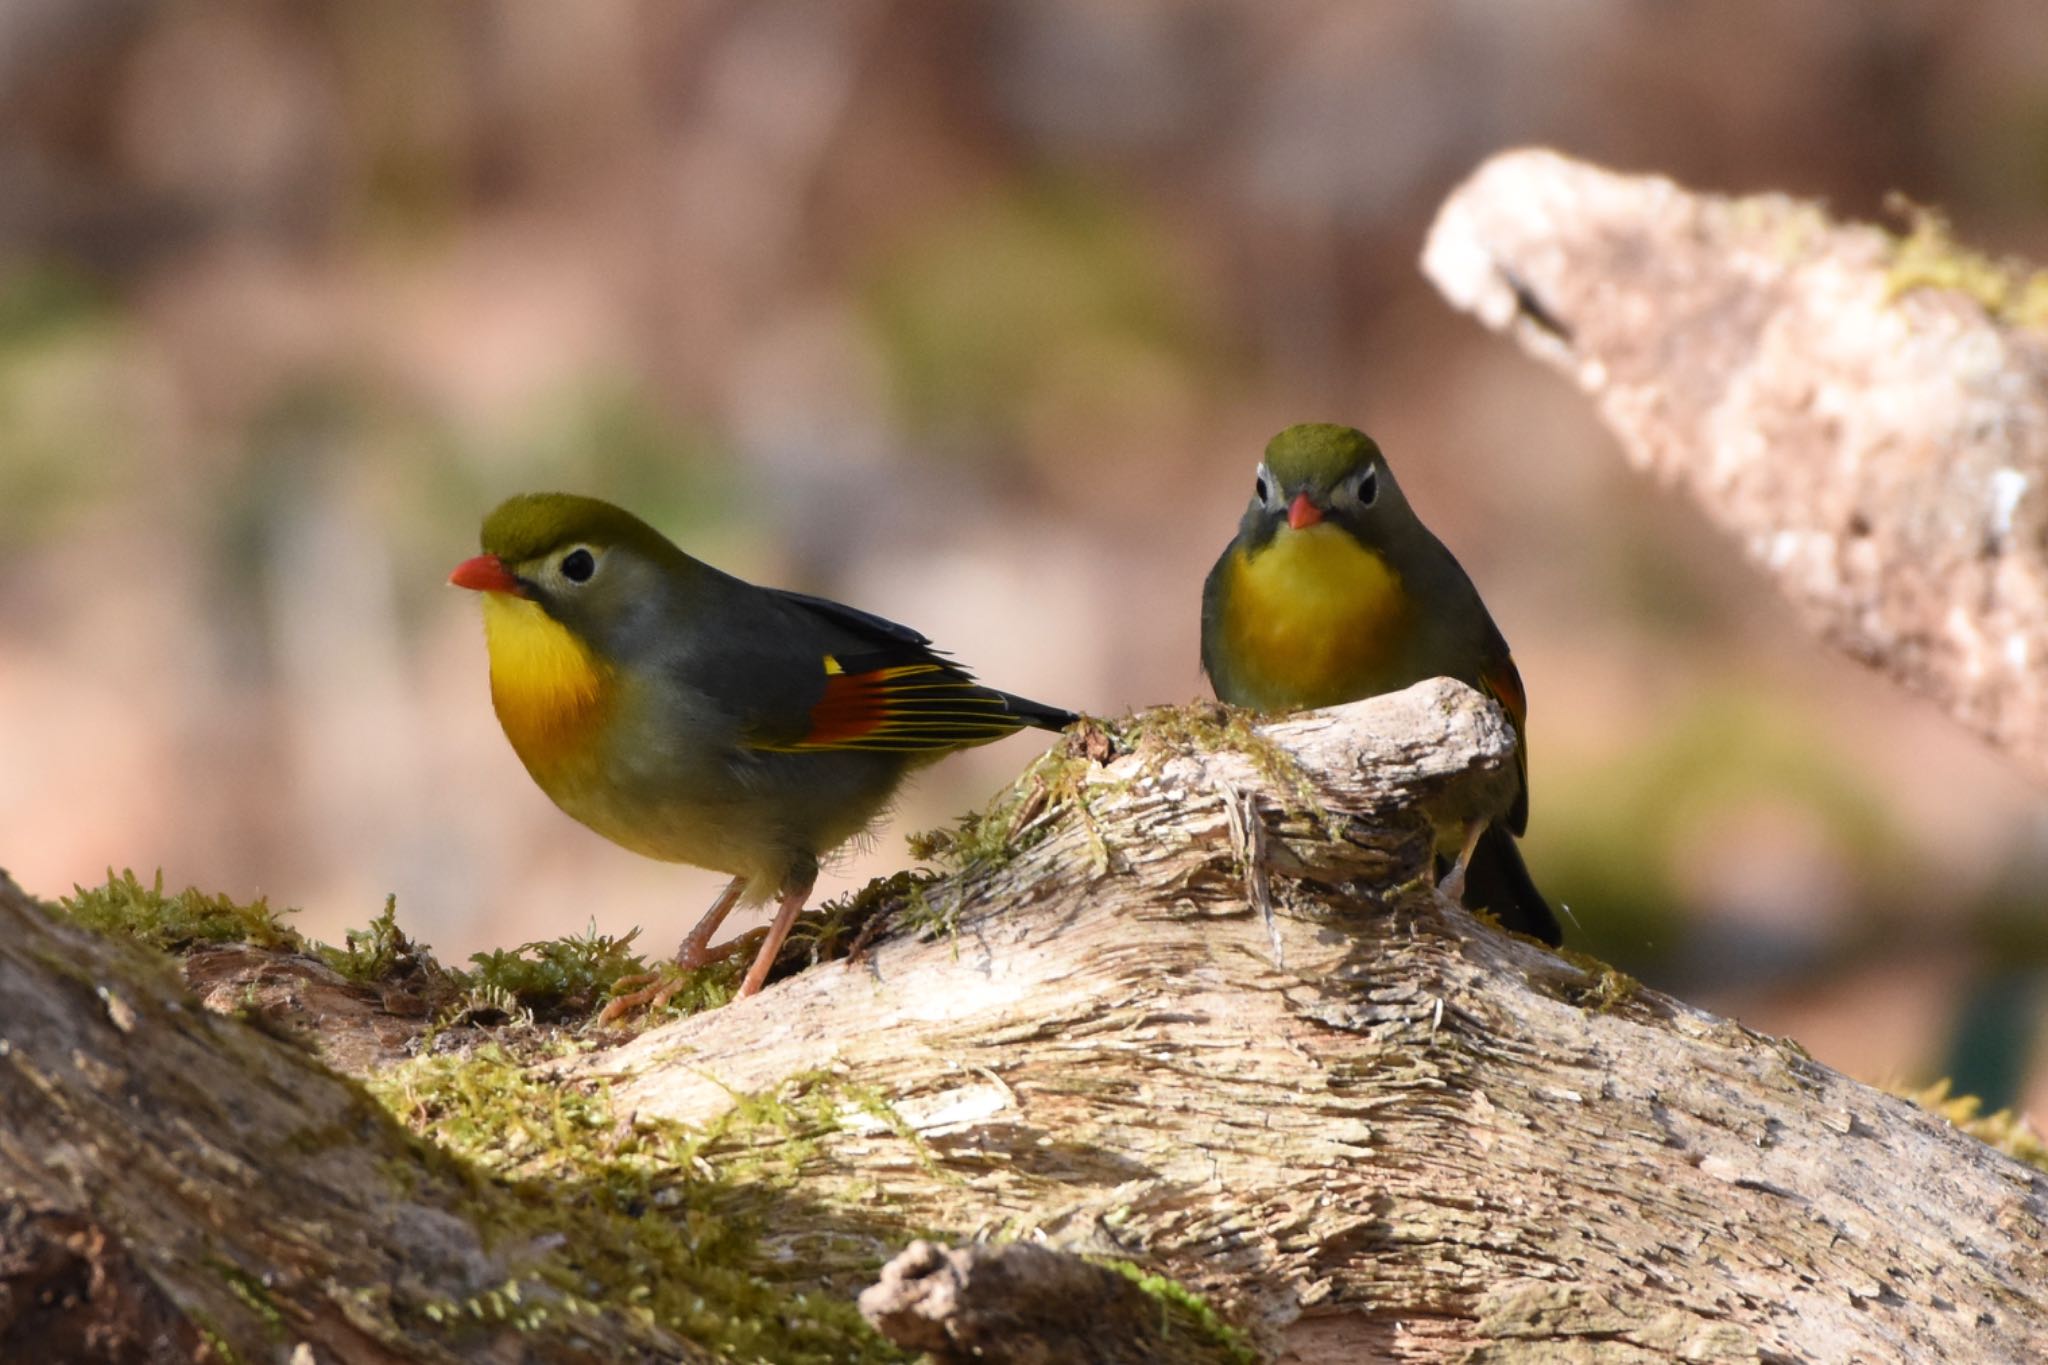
x,y
884,687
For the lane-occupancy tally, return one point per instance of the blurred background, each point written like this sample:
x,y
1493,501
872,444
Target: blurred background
x,y
973,314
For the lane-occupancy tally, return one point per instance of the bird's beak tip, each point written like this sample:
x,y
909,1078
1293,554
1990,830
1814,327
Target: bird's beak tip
x,y
1303,512
485,573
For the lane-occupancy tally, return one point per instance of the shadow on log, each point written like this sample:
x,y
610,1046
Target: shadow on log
x,y
1188,1000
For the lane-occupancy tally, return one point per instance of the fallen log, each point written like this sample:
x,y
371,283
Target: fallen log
x,y
1184,1002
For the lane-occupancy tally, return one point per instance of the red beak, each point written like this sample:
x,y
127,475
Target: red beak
x,y
486,573
1301,512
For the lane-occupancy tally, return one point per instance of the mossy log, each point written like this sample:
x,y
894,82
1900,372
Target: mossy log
x,y
1188,1005
177,1185
1867,414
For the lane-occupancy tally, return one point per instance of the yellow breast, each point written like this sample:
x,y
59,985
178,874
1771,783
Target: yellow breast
x,y
1313,619
551,693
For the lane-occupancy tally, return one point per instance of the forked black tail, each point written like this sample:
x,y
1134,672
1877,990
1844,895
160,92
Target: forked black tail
x,y
1037,713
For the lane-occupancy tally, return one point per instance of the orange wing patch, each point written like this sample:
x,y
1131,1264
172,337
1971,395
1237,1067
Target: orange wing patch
x,y
1503,682
903,708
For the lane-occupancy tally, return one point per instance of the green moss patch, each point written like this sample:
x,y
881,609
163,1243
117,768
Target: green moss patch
x,y
679,1228
1929,257
124,907
1184,1312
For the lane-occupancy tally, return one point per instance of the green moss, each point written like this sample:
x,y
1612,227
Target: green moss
x,y
656,1220
1929,257
374,953
126,908
2008,1132
216,1341
252,1293
1063,782
1184,1311
1019,818
554,979
1606,989
1201,727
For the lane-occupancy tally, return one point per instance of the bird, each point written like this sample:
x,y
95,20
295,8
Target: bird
x,y
693,717
1334,590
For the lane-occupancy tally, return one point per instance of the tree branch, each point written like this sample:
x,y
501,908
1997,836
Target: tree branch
x,y
1877,445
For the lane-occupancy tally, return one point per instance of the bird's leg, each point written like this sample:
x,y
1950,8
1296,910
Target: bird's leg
x,y
696,949
794,894
1453,883
652,990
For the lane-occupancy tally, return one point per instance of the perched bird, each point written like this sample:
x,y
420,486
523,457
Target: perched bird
x,y
1334,590
693,717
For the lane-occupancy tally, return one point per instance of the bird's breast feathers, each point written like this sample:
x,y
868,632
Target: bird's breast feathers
x,y
1313,618
551,693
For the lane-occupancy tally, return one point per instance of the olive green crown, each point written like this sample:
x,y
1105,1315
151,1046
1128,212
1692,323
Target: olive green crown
x,y
531,524
1319,454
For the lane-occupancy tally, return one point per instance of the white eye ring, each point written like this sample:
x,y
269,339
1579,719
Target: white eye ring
x,y
1365,486
1262,487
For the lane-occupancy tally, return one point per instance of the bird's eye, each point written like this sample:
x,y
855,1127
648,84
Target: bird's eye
x,y
578,565
1368,486
1263,489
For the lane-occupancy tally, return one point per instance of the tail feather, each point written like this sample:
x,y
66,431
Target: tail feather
x,y
1037,713
1498,882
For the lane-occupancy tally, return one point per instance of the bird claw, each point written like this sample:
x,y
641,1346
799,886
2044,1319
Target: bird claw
x,y
642,990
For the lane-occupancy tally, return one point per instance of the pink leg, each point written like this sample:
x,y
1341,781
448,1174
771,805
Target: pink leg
x,y
793,898
1453,884
696,949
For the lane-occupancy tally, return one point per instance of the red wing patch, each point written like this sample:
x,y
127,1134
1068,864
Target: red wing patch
x,y
854,705
903,708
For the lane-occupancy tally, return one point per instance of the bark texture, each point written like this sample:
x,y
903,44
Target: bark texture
x,y
1190,1001
1200,1028
177,1186
1878,446
1021,1304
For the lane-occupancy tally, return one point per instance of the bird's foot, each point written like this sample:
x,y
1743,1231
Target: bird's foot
x,y
652,990
642,990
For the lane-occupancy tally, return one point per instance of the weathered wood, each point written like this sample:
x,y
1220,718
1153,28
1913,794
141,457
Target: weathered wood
x,y
1878,447
1205,1013
177,1185
1020,1304
1410,1137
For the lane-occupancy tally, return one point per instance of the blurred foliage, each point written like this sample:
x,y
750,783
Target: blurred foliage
x,y
1050,294
1610,834
614,437
70,419
1997,1028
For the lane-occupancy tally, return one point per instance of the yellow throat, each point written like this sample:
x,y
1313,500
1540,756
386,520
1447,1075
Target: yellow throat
x,y
1313,619
550,692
